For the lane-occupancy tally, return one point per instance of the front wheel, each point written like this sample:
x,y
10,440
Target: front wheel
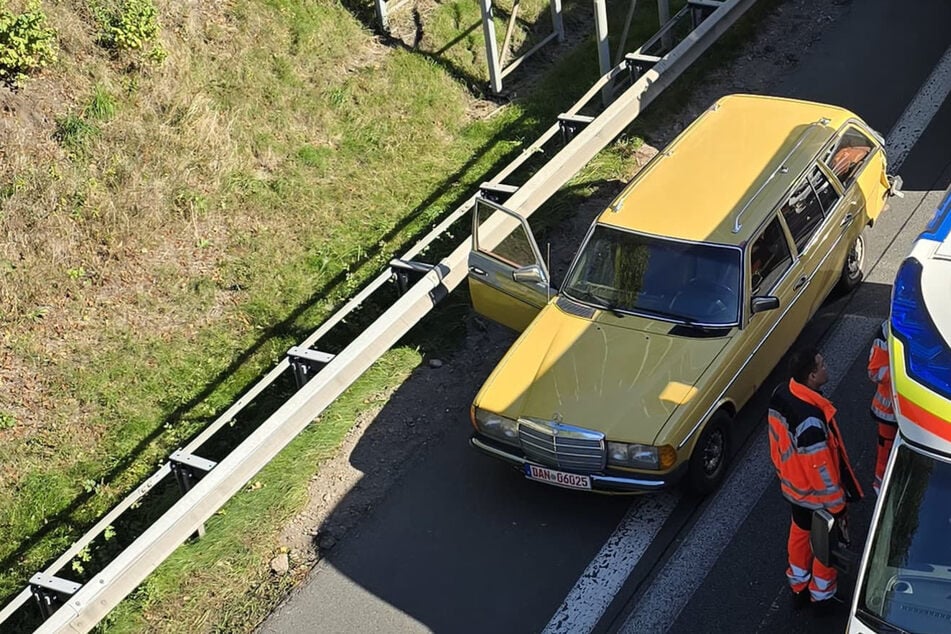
x,y
854,268
708,463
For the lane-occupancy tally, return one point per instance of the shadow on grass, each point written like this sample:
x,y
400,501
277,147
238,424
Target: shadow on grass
x,y
576,17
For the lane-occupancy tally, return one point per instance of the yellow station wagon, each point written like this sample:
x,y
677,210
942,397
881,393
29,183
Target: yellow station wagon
x,y
683,296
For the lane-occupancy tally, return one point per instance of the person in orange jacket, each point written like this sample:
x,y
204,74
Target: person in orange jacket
x,y
881,407
814,471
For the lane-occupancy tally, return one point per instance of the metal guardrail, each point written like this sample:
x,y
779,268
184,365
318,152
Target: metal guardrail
x,y
90,603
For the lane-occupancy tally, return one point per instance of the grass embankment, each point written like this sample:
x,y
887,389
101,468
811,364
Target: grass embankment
x,y
171,226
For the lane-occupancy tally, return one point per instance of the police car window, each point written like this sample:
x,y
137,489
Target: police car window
x,y
848,156
803,213
769,258
827,194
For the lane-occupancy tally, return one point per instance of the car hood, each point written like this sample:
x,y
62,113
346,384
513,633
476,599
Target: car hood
x,y
620,376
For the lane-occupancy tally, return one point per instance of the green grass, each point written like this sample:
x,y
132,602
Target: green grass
x,y
205,217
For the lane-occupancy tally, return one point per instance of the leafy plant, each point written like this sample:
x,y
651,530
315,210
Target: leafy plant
x,y
129,25
7,421
26,43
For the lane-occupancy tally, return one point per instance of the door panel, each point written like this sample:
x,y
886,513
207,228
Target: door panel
x,y
767,335
502,246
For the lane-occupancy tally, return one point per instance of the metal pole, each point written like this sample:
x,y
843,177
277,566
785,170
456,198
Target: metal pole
x,y
491,47
557,23
604,52
622,43
663,17
381,14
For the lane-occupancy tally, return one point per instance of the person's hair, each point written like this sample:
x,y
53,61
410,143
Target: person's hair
x,y
802,363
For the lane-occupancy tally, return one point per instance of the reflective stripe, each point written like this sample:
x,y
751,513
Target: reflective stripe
x,y
809,423
826,478
797,576
821,589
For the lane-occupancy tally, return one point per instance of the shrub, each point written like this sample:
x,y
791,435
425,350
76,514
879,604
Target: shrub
x,y
128,25
26,43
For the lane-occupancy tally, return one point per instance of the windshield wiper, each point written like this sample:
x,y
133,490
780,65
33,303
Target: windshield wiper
x,y
880,624
598,301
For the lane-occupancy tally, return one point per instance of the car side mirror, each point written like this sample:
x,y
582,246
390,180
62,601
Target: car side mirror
x,y
531,274
763,303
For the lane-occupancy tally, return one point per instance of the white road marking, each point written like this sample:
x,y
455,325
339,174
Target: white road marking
x,y
696,555
919,113
606,573
674,586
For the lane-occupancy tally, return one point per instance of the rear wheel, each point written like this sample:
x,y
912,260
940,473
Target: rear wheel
x,y
854,268
708,463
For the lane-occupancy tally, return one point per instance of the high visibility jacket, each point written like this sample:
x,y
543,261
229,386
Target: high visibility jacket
x,y
878,372
807,450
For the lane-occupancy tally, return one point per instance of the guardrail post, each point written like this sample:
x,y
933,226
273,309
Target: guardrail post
x,y
189,469
306,363
408,272
51,592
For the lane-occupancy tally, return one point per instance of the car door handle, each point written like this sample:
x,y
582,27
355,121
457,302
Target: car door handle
x,y
475,270
847,220
800,283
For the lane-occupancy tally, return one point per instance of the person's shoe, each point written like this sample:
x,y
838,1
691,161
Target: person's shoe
x,y
827,607
800,599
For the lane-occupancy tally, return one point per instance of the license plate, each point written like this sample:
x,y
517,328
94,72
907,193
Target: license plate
x,y
558,478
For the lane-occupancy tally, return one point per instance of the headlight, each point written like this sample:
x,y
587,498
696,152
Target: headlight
x,y
623,454
499,427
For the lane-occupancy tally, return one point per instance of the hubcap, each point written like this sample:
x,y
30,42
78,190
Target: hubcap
x,y
856,258
713,452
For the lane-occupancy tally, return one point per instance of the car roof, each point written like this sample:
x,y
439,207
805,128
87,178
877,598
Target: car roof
x,y
721,164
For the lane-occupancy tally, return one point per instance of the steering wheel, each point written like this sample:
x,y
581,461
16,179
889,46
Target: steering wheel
x,y
701,298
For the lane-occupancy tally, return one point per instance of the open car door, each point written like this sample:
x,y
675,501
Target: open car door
x,y
508,279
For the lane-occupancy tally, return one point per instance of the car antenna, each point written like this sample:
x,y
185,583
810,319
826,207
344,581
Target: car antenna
x,y
548,266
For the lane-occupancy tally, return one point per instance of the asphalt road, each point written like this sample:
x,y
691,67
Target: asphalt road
x,y
463,544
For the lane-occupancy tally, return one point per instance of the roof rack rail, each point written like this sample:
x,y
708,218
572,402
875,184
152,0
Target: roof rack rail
x,y
782,169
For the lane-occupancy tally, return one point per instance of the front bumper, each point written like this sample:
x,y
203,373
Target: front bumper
x,y
600,482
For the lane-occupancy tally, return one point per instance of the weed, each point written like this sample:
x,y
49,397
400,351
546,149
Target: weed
x,y
7,421
26,43
128,25
74,133
102,106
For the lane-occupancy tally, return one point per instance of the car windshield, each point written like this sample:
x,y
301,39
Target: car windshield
x,y
687,282
908,582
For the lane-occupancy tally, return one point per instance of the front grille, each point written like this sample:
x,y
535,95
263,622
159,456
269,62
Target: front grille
x,y
563,446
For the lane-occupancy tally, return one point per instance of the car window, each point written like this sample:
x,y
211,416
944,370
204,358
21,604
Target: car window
x,y
692,282
515,250
769,258
847,157
827,194
803,213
